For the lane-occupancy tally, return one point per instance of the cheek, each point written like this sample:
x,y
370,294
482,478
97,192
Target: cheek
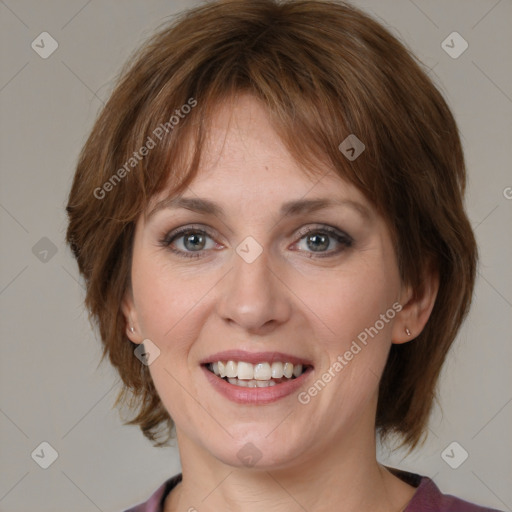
x,y
354,317
169,308
348,304
164,299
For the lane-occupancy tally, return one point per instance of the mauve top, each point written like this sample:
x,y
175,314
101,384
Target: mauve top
x,y
427,497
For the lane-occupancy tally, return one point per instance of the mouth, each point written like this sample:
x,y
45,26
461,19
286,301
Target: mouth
x,y
251,378
260,375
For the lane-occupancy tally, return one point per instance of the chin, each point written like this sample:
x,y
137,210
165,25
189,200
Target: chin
x,y
257,452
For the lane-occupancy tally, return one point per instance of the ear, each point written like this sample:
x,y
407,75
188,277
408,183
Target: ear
x,y
416,307
130,315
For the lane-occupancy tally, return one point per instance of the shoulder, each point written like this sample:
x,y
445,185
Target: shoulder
x,y
428,498
156,500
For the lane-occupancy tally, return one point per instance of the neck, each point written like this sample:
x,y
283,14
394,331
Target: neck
x,y
343,476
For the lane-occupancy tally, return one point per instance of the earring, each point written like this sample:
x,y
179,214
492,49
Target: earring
x,y
132,329
407,331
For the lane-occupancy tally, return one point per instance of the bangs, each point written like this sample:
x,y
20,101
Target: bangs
x,y
304,88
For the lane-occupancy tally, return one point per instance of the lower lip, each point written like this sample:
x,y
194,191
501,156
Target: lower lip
x,y
257,396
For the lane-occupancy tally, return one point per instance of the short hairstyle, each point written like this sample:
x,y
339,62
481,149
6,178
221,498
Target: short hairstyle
x,y
323,70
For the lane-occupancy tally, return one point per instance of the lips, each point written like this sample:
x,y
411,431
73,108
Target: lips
x,y
258,395
255,357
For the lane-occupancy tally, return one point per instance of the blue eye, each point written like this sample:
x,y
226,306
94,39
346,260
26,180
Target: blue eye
x,y
319,239
193,242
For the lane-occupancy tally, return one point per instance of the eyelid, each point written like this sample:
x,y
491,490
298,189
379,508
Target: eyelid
x,y
300,232
200,228
331,230
341,237
167,240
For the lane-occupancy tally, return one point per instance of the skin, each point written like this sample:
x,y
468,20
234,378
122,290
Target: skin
x,y
315,457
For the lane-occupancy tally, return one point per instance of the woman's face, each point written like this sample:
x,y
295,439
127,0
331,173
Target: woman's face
x,y
273,283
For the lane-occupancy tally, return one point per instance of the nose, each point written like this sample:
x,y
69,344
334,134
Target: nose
x,y
253,296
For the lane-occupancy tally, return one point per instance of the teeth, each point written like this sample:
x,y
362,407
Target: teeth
x,y
255,374
231,369
264,383
288,370
252,383
245,371
277,370
262,371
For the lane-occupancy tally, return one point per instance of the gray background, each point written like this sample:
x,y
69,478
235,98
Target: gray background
x,y
51,386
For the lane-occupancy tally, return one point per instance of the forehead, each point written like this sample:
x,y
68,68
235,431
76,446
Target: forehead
x,y
245,160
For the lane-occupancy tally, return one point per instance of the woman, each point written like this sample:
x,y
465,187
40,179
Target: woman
x,y
269,218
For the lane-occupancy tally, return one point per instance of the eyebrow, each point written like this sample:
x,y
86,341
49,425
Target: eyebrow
x,y
290,208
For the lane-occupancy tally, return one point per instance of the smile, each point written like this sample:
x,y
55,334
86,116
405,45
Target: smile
x,y
261,375
256,378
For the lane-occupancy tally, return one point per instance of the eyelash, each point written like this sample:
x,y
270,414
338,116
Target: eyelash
x,y
341,237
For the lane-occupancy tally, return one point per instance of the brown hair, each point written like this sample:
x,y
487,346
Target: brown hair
x,y
323,70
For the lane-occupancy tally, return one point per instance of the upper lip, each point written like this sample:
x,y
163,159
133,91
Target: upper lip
x,y
255,357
